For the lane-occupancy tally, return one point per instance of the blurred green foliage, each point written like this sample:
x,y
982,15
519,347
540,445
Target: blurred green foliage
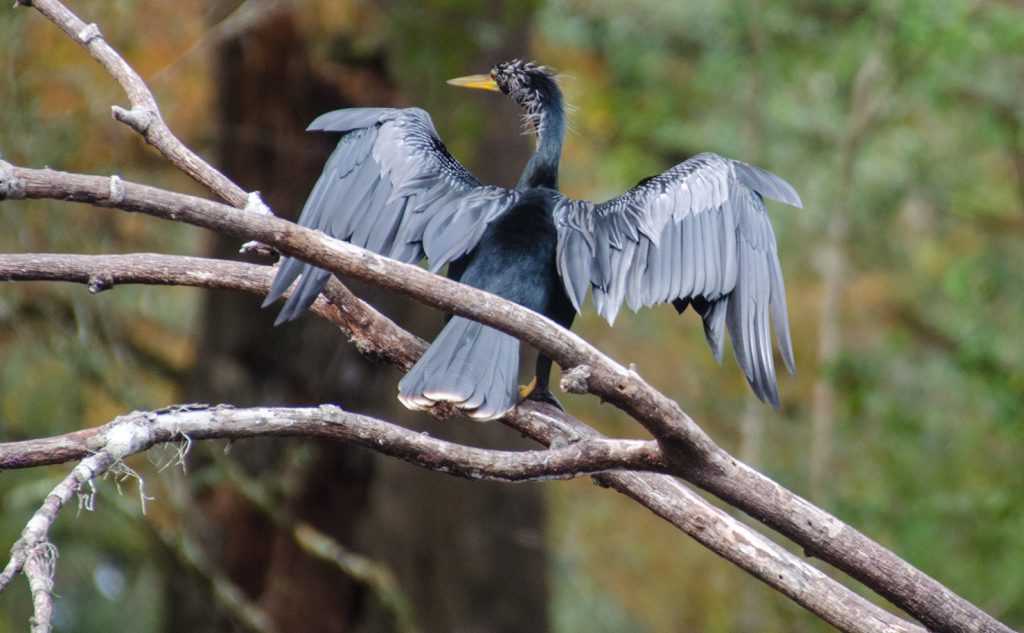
x,y
929,436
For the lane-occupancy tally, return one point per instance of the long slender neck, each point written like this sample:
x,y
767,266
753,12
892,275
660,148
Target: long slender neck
x,y
548,120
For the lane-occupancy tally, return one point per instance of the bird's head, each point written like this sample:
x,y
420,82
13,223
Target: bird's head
x,y
534,88
531,85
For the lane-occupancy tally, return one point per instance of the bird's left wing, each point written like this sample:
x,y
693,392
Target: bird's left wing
x,y
392,187
699,235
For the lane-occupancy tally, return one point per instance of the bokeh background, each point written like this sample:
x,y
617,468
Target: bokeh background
x,y
901,124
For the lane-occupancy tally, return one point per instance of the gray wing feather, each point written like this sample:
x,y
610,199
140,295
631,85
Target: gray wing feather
x,y
392,187
697,233
767,184
573,257
348,119
452,232
714,326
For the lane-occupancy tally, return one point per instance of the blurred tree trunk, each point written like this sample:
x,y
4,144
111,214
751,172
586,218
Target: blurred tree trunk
x,y
832,258
863,107
468,555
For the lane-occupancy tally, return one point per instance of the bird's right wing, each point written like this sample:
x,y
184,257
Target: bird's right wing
x,y
699,235
391,187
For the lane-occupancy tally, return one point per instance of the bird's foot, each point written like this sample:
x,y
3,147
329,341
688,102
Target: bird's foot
x,y
539,393
527,389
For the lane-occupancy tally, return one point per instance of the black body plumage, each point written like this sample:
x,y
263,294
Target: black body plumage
x,y
698,235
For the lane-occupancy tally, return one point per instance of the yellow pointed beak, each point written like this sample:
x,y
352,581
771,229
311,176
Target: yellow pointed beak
x,y
480,82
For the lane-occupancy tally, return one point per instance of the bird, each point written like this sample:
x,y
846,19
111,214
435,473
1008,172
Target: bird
x,y
697,235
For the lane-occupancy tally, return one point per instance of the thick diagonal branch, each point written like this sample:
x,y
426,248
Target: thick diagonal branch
x,y
381,338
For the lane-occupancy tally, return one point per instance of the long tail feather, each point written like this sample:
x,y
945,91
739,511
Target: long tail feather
x,y
471,366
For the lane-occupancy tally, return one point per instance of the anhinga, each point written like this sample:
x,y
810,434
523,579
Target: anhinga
x,y
697,234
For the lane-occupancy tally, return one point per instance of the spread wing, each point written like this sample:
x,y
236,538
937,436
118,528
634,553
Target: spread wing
x,y
392,187
699,235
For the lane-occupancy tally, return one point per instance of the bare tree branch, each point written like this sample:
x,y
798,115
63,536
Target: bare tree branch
x,y
102,272
669,499
672,501
373,335
35,537
144,116
139,431
663,495
39,568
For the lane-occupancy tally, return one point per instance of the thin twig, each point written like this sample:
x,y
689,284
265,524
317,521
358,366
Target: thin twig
x,y
35,534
